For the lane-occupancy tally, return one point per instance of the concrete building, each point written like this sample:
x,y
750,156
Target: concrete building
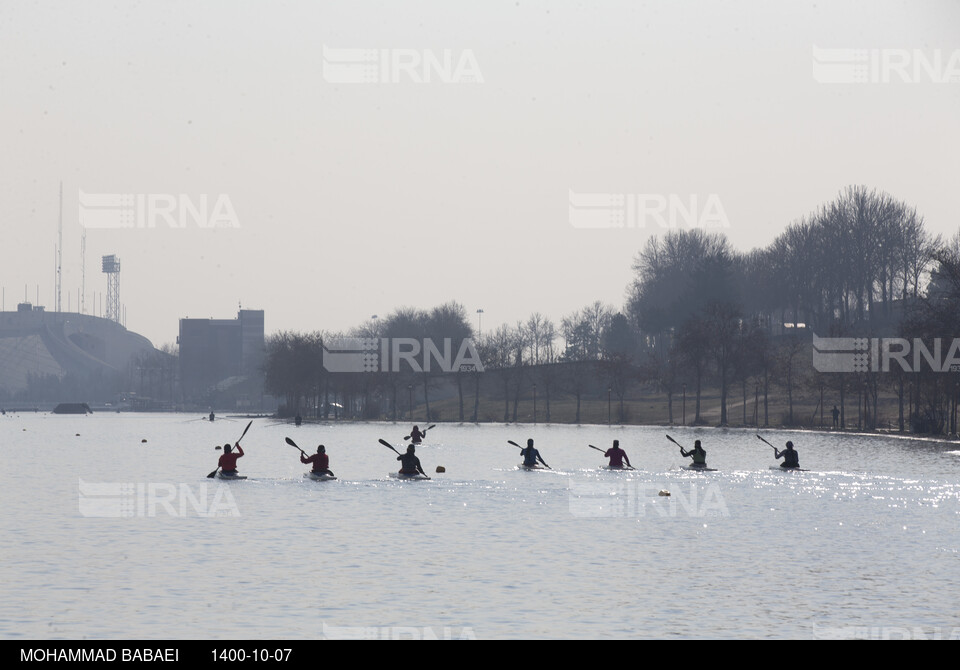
x,y
217,355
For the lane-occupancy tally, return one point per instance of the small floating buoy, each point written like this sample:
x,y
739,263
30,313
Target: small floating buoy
x,y
440,468
218,447
664,493
143,440
78,435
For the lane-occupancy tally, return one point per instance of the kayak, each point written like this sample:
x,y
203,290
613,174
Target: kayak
x,y
616,469
318,477
783,469
404,477
699,468
530,467
225,475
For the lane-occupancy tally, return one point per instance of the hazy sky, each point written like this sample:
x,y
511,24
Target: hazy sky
x,y
352,199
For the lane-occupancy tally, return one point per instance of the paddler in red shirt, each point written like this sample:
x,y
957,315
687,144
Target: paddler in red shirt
x,y
617,456
228,461
320,460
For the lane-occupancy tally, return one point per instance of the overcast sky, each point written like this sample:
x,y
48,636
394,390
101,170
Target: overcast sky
x,y
344,199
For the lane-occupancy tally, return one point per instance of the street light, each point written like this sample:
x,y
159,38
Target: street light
x,y
479,322
608,405
534,403
410,395
684,386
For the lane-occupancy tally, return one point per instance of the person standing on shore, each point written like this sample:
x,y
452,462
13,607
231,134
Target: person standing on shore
x,y
836,416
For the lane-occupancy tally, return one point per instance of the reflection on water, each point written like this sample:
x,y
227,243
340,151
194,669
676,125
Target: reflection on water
x,y
104,535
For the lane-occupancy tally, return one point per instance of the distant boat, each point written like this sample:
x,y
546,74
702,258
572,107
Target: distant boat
x,y
72,408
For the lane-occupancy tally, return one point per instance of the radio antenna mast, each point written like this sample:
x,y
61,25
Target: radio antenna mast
x,y
60,251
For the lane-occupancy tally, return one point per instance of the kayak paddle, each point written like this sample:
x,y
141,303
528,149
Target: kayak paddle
x,y
432,425
294,445
389,446
674,441
214,473
768,444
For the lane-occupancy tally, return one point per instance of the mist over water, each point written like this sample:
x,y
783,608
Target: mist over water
x,y
865,541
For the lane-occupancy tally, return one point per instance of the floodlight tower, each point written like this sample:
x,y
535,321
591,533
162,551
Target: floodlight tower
x,y
111,268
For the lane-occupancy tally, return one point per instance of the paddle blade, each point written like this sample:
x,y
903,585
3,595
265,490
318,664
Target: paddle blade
x,y
212,474
767,443
245,430
514,444
388,446
291,442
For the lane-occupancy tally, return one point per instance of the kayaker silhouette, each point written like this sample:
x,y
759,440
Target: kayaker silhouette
x,y
409,463
531,455
416,437
617,456
320,460
228,461
791,459
698,454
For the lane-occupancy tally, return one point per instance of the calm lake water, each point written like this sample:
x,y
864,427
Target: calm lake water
x,y
105,536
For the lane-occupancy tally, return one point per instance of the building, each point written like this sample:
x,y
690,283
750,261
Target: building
x,y
222,356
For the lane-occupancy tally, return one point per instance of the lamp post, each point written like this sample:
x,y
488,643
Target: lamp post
x,y
479,322
608,405
534,403
910,409
410,396
684,387
956,402
756,405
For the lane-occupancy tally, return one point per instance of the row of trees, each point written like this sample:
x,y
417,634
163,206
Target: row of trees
x,y
698,314
296,372
859,266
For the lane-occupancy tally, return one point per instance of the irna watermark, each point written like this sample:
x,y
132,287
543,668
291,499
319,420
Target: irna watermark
x,y
885,66
150,499
398,66
642,210
880,354
634,499
885,632
155,210
397,633
399,354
